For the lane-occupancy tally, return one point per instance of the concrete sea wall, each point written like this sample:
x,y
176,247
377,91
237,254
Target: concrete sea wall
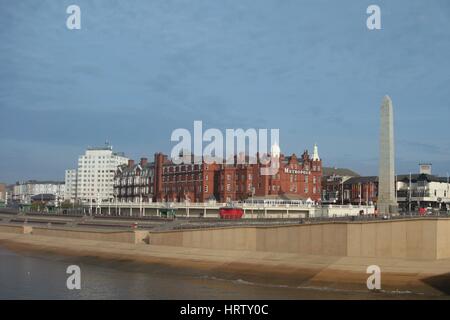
x,y
427,238
133,236
410,239
115,236
320,239
15,229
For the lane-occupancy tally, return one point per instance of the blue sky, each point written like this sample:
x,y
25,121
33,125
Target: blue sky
x,y
139,69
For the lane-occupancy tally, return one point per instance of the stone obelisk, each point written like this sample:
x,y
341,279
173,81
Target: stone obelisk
x,y
387,200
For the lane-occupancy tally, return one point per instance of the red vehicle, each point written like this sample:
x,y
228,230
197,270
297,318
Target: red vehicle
x,y
231,213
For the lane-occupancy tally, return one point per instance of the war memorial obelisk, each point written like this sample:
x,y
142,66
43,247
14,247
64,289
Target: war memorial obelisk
x,y
387,200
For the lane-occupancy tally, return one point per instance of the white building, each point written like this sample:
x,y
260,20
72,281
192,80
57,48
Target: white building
x,y
95,174
71,185
424,189
23,191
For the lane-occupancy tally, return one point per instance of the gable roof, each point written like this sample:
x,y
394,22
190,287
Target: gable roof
x,y
125,168
329,171
356,180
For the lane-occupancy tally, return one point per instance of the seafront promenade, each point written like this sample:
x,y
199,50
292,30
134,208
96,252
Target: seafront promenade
x,y
423,277
411,252
419,238
210,209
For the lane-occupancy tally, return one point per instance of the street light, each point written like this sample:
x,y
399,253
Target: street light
x,y
409,194
253,193
448,196
115,211
369,186
140,204
360,195
98,208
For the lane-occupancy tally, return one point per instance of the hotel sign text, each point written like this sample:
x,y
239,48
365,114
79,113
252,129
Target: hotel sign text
x,y
296,171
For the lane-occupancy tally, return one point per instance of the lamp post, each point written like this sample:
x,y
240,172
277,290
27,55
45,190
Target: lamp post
x,y
409,194
448,196
98,208
140,204
367,196
360,195
253,194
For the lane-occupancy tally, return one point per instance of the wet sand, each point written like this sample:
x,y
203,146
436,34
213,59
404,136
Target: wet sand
x,y
401,279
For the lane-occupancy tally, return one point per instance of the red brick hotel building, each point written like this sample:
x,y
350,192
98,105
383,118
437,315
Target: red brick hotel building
x,y
162,180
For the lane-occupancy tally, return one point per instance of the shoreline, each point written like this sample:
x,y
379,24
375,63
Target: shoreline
x,y
275,269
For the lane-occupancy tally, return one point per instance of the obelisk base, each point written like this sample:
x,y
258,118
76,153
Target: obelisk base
x,y
386,208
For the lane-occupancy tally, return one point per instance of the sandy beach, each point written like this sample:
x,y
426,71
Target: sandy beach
x,y
427,279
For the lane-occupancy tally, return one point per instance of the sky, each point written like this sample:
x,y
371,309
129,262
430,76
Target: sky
x,y
137,70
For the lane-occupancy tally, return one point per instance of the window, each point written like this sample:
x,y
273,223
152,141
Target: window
x,y
206,188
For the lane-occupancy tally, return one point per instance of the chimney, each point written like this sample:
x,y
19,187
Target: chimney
x,y
143,162
130,163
